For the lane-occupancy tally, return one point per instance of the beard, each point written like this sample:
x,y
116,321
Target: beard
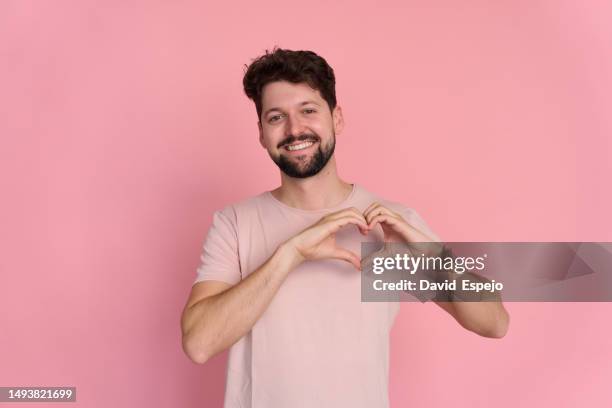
x,y
306,166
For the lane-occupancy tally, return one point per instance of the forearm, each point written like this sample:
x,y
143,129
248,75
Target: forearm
x,y
488,319
216,322
482,313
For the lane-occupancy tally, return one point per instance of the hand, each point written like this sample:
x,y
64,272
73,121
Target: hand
x,y
397,230
319,240
394,226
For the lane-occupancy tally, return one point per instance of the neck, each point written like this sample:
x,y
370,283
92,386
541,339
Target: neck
x,y
323,190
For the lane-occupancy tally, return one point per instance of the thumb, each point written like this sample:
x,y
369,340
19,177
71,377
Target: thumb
x,y
346,255
368,261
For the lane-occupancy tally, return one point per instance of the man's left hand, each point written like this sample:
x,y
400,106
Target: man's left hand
x,y
394,226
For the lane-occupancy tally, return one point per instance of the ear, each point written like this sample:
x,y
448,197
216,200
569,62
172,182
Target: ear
x,y
338,120
261,139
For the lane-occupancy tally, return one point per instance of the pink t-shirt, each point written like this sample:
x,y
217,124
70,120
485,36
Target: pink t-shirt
x,y
317,344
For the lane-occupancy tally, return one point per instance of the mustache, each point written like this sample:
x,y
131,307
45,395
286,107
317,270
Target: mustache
x,y
301,138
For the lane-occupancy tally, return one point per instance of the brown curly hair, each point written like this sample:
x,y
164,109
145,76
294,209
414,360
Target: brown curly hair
x,y
292,66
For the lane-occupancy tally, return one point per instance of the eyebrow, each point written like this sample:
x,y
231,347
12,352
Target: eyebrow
x,y
278,109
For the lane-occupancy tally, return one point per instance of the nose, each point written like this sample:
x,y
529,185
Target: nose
x,y
295,127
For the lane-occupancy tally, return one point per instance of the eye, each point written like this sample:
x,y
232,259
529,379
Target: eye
x,y
309,110
272,119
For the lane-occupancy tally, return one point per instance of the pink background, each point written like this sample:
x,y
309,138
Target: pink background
x,y
124,125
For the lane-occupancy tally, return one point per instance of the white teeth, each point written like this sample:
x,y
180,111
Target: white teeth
x,y
300,146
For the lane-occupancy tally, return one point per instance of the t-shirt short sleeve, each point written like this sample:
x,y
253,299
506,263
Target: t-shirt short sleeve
x,y
219,258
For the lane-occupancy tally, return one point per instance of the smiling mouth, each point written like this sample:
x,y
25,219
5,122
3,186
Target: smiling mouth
x,y
299,146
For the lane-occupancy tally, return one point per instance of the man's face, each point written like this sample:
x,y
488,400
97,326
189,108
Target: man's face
x,y
297,128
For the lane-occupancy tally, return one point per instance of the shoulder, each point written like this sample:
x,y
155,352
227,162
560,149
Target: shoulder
x,y
233,211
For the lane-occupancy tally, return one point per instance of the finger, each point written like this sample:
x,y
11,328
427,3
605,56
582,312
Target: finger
x,y
362,228
369,207
379,210
372,207
388,219
346,255
410,232
344,212
361,225
335,224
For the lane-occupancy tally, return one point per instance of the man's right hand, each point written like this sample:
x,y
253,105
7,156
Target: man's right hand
x,y
319,240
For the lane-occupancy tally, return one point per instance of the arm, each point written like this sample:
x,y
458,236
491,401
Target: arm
x,y
218,314
485,318
212,323
483,314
